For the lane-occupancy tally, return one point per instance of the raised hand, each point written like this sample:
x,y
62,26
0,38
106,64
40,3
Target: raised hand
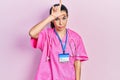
x,y
56,10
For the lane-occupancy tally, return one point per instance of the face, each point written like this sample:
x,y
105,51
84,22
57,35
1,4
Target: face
x,y
61,21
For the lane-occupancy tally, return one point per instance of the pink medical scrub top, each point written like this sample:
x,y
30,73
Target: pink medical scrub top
x,y
50,46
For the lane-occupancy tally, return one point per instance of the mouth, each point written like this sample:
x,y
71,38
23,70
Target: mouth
x,y
60,26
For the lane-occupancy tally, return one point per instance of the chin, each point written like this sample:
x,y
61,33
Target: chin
x,y
61,29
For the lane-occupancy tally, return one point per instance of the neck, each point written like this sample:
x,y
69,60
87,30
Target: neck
x,y
61,33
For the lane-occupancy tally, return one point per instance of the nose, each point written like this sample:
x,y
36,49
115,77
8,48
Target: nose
x,y
60,22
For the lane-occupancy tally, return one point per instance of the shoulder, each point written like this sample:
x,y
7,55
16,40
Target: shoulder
x,y
47,30
50,29
74,34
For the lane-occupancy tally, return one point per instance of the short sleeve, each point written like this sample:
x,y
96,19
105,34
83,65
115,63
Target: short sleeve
x,y
39,43
80,53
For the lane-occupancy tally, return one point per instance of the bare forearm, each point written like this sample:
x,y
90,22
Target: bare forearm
x,y
78,70
34,31
55,12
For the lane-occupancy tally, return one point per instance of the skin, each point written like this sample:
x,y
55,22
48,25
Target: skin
x,y
59,18
60,24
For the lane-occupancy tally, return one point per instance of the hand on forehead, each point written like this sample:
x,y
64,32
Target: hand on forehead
x,y
63,14
58,7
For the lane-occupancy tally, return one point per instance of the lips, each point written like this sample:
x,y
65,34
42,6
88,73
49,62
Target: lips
x,y
61,26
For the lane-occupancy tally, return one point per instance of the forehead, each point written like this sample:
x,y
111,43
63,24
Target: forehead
x,y
64,14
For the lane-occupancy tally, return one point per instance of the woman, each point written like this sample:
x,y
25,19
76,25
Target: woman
x,y
62,48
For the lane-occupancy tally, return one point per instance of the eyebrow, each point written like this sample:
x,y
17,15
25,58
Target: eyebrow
x,y
63,16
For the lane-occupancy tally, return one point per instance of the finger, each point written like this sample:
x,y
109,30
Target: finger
x,y
60,3
53,9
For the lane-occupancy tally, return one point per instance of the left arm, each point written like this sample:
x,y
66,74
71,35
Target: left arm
x,y
77,65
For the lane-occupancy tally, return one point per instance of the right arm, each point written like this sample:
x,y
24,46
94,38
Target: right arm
x,y
56,12
34,31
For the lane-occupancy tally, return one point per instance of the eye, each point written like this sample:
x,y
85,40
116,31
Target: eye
x,y
64,17
57,19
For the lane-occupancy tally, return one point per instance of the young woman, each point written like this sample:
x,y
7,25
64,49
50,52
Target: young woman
x,y
62,48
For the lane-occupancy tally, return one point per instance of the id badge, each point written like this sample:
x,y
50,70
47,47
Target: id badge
x,y
64,57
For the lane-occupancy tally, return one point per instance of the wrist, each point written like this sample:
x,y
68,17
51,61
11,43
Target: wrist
x,y
50,18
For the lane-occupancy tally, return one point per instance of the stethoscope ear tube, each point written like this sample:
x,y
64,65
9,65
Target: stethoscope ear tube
x,y
72,47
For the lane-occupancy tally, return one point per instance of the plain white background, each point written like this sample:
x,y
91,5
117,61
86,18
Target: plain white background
x,y
97,21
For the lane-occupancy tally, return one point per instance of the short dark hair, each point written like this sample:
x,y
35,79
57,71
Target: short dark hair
x,y
63,8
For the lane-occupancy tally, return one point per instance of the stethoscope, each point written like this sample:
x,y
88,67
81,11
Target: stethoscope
x,y
72,46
